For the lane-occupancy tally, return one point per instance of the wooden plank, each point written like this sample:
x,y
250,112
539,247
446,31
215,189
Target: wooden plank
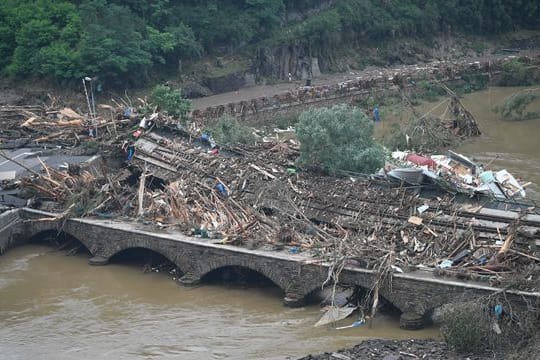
x,y
155,162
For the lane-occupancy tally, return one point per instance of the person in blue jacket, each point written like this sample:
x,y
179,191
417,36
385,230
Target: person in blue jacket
x,y
376,114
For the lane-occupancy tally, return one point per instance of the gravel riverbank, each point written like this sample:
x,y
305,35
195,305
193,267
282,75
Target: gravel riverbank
x,y
376,349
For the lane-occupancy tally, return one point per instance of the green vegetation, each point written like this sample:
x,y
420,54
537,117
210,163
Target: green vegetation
x,y
516,73
428,91
229,131
125,42
471,83
338,139
285,121
170,101
514,107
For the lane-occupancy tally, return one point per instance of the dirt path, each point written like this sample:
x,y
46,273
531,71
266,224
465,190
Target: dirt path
x,y
257,91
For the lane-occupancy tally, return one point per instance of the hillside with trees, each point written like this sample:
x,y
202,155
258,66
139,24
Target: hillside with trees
x,y
125,42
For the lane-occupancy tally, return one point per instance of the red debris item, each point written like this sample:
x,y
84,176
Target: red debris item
x,y
421,161
214,151
137,133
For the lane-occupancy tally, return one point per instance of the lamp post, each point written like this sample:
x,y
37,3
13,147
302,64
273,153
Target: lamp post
x,y
92,104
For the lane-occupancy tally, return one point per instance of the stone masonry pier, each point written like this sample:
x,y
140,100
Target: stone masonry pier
x,y
415,294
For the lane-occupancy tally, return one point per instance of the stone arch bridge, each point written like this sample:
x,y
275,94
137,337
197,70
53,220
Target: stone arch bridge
x,y
414,294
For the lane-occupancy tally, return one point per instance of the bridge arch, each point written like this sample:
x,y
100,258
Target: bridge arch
x,y
240,275
386,299
177,259
64,236
267,272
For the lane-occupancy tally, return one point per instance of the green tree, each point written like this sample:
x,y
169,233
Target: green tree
x,y
516,73
229,131
338,138
43,37
170,101
267,12
115,44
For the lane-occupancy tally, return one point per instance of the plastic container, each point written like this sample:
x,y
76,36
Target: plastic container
x,y
221,188
487,177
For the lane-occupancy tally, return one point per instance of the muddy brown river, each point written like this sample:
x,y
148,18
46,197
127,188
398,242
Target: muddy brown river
x,y
54,306
511,145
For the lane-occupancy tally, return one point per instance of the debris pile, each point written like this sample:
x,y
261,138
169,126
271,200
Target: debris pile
x,y
255,196
428,133
455,173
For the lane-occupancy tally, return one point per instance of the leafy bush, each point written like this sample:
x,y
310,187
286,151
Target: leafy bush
x,y
170,100
229,131
428,91
516,73
474,326
338,138
468,328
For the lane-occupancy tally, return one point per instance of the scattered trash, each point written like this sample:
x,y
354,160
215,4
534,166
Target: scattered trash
x,y
222,189
415,220
498,309
461,256
422,208
445,264
130,152
357,323
334,314
294,249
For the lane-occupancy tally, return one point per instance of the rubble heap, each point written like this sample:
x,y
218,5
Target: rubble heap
x,y
255,197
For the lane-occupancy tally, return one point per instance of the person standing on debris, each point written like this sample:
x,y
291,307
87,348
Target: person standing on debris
x,y
376,114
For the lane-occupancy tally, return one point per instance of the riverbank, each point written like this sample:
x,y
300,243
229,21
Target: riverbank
x,y
381,349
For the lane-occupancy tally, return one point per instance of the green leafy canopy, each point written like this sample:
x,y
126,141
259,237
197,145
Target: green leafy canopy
x,y
170,100
338,138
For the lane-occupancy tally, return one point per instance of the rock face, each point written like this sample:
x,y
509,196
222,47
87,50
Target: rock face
x,y
225,83
195,90
280,61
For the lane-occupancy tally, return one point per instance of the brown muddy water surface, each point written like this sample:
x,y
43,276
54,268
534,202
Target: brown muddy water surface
x,y
54,306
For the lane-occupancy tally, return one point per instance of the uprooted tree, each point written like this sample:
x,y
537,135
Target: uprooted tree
x,y
516,106
338,139
429,133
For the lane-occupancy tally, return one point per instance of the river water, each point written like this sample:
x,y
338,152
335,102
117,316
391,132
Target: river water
x,y
54,306
508,144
